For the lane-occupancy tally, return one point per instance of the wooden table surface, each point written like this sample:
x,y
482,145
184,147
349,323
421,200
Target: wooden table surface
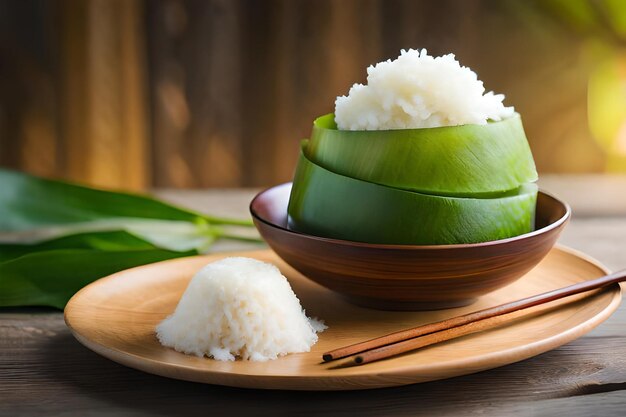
x,y
45,371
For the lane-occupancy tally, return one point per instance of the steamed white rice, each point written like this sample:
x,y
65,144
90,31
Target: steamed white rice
x,y
239,307
417,90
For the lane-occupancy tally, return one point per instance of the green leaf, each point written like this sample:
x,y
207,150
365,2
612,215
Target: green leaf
x,y
28,202
90,234
48,273
327,204
166,234
451,160
116,240
50,278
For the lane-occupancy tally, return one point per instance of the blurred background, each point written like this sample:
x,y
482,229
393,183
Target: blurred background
x,y
137,94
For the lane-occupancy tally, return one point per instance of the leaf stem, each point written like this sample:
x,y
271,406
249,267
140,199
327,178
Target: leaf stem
x,y
239,237
229,222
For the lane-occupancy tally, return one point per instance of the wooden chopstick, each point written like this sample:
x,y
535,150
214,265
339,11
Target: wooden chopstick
x,y
410,339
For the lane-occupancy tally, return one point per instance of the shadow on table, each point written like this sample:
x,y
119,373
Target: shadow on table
x,y
104,381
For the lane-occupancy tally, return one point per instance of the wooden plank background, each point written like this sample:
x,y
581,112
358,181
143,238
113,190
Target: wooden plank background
x,y
218,93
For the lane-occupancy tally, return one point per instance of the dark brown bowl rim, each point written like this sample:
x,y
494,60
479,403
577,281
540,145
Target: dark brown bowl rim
x,y
545,229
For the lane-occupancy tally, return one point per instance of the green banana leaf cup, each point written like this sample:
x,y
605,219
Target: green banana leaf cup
x,y
414,218
327,204
466,160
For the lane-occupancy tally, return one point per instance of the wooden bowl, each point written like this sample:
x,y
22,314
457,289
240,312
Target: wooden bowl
x,y
407,277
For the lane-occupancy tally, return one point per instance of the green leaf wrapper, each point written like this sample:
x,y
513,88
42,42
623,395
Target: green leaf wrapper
x,y
467,160
327,204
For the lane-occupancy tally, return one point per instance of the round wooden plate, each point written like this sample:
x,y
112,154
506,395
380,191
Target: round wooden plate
x,y
116,317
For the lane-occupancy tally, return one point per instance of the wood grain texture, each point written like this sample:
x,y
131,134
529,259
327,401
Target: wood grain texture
x,y
230,87
116,317
72,91
407,277
102,110
45,371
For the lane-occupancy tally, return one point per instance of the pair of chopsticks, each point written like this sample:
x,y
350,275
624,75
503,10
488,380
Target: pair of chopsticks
x,y
417,337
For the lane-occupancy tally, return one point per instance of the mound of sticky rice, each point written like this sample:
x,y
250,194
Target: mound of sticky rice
x,y
239,307
417,90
